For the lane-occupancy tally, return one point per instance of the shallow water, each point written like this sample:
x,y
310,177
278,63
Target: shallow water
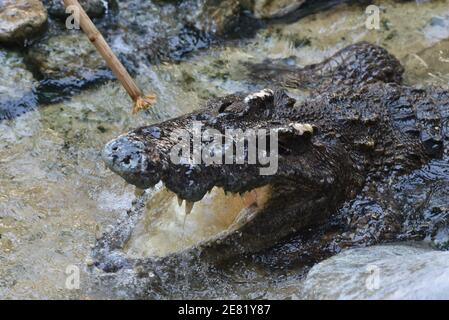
x,y
56,195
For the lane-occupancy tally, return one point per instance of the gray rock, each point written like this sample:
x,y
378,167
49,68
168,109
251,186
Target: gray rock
x,y
66,55
157,31
219,17
16,86
67,61
380,272
21,19
268,9
94,8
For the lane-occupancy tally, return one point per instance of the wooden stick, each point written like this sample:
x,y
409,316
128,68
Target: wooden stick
x,y
140,102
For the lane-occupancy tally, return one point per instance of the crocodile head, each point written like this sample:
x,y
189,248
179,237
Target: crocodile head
x,y
306,149
298,162
288,172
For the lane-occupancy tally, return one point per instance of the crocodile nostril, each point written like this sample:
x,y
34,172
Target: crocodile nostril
x,y
125,156
127,160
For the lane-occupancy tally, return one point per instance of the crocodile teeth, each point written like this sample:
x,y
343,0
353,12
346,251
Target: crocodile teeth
x,y
302,128
250,198
139,192
180,200
189,207
98,232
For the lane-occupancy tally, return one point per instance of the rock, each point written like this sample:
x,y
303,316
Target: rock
x,y
380,272
94,8
66,55
16,86
66,62
219,17
21,19
157,31
268,9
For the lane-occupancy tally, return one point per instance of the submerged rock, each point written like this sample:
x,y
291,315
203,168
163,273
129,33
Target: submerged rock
x,y
16,86
66,55
21,19
94,8
268,9
380,272
430,66
219,17
153,31
66,62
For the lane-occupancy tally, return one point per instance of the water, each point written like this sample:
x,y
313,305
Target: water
x,y
56,194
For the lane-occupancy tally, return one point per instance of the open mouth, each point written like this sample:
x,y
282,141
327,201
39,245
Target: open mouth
x,y
170,225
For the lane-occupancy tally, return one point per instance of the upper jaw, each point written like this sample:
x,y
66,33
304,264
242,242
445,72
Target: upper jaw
x,y
189,182
127,157
142,157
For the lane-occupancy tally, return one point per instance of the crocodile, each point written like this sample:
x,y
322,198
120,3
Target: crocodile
x,y
359,123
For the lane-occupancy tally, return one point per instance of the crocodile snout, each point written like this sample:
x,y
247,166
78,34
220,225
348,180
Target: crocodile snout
x,y
127,158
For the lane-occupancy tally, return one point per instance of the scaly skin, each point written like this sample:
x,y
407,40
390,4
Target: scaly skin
x,y
365,124
354,65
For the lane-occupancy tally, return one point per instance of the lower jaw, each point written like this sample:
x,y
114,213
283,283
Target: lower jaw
x,y
167,227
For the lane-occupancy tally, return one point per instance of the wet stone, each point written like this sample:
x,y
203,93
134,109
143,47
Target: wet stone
x,y
268,9
431,65
66,63
21,19
437,28
16,86
381,272
157,31
93,8
219,17
215,16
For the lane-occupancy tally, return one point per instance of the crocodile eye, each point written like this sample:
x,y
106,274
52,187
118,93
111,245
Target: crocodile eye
x,y
233,108
224,106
